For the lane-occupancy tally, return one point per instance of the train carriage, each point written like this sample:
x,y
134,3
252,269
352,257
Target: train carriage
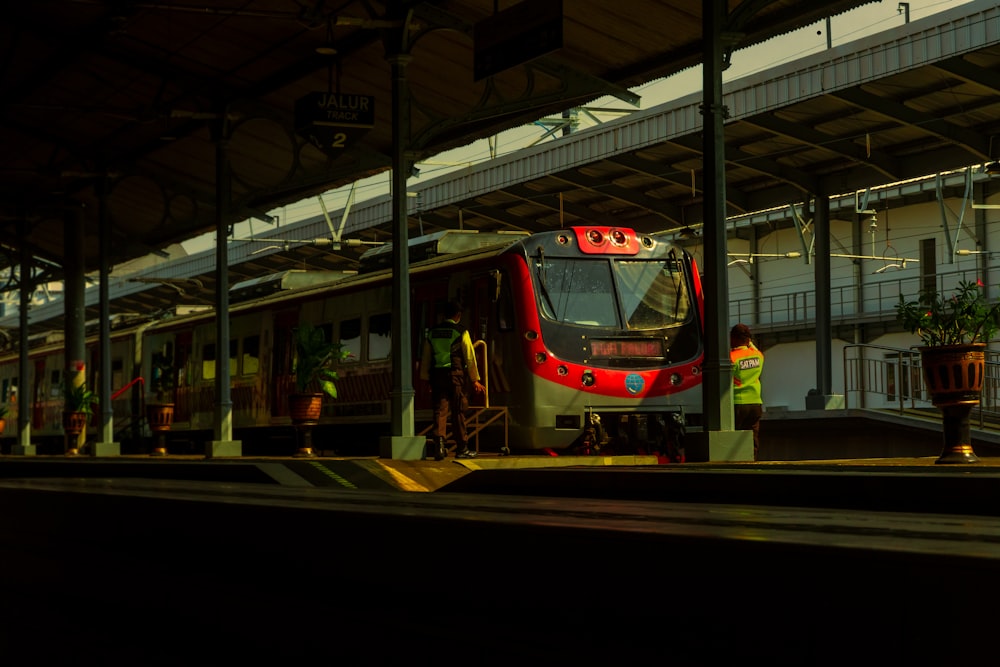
x,y
589,340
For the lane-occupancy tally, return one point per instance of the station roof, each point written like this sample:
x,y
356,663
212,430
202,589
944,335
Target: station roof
x,y
132,95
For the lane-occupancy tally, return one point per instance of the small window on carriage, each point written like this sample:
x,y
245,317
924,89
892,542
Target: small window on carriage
x,y
208,362
55,385
251,355
117,374
379,336
350,339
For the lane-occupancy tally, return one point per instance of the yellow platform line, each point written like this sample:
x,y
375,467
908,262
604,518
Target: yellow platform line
x,y
403,481
334,476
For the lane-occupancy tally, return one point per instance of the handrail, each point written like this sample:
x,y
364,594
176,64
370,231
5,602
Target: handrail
x,y
484,370
907,376
127,387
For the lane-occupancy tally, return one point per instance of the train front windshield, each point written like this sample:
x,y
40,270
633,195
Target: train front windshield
x,y
647,294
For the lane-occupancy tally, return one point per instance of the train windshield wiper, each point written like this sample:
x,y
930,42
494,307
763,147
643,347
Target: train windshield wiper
x,y
542,283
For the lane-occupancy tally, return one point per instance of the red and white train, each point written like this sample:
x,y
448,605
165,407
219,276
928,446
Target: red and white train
x,y
590,340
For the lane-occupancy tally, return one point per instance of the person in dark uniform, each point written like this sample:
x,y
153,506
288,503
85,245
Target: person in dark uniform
x,y
748,362
447,360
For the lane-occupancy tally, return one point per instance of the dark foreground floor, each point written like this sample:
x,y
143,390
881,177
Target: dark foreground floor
x,y
105,571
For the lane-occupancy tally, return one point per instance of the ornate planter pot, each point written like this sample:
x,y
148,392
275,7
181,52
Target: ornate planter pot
x,y
954,378
74,422
160,416
954,373
304,411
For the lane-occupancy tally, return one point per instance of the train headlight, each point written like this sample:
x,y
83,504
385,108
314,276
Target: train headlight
x,y
562,370
588,379
540,357
595,236
647,242
562,239
676,379
531,335
618,237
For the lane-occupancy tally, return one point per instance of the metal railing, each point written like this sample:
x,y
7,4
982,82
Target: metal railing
x,y
846,302
891,378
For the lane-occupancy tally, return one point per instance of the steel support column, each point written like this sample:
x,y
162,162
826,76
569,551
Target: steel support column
x,y
223,444
719,440
74,305
105,446
822,397
24,446
401,443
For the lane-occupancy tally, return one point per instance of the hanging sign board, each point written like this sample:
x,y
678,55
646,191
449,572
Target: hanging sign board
x,y
516,35
334,121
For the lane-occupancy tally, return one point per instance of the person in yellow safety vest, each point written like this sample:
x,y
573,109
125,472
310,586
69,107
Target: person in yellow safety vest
x,y
748,362
446,361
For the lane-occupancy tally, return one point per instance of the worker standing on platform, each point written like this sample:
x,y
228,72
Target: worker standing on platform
x,y
748,362
447,360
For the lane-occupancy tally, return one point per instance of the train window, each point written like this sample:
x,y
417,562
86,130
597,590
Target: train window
x,y
350,338
576,291
251,355
55,390
379,336
117,374
654,294
208,361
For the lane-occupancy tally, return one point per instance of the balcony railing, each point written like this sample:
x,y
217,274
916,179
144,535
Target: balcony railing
x,y
890,378
798,308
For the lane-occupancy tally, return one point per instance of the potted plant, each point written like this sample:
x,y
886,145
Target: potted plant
x,y
954,331
78,406
963,318
314,358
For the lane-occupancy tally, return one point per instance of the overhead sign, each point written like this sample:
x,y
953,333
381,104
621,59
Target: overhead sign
x,y
516,35
334,121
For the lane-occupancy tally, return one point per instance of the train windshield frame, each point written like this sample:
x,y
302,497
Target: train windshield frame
x,y
647,294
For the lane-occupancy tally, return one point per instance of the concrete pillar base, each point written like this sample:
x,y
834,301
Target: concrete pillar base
x,y
824,401
106,449
216,448
707,446
403,448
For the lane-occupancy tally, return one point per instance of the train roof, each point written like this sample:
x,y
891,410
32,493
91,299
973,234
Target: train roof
x,y
429,246
291,279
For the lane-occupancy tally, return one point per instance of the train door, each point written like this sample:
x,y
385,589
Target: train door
x,y
183,345
281,379
39,397
483,330
425,313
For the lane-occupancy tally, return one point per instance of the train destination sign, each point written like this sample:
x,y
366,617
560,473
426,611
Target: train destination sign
x,y
627,347
334,121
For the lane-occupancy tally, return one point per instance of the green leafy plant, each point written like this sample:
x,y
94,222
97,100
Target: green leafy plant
x,y
79,399
963,317
3,411
314,358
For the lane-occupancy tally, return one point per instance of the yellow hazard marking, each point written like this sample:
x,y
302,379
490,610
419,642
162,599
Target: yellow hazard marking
x,y
332,475
404,482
